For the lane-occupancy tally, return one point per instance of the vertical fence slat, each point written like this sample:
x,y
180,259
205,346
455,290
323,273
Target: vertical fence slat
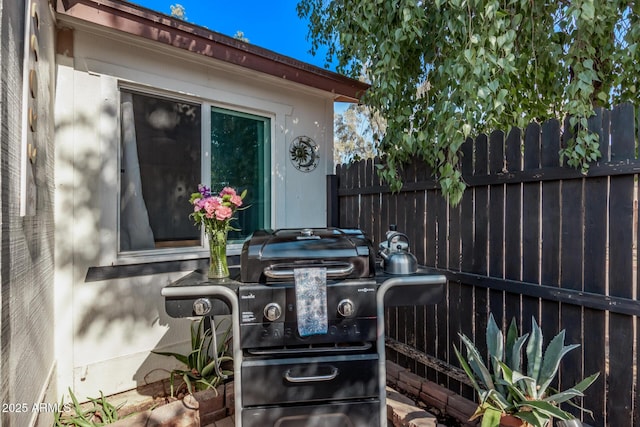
x,y
531,229
620,274
481,237
410,203
431,318
454,295
423,173
512,225
368,215
404,210
343,212
466,261
496,224
550,268
387,216
636,260
595,276
571,260
441,308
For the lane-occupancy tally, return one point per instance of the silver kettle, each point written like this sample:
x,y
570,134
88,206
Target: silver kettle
x,y
396,258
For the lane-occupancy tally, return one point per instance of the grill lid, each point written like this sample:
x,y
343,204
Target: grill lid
x,y
272,255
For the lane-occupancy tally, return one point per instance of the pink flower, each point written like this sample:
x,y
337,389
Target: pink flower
x,y
227,191
212,211
211,204
223,213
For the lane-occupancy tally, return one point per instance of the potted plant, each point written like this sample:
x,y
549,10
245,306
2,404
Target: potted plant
x,y
203,367
512,389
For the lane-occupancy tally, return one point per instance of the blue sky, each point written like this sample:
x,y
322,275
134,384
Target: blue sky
x,y
271,24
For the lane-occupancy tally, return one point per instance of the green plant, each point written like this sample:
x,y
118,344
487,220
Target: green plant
x,y
508,386
202,368
445,70
99,414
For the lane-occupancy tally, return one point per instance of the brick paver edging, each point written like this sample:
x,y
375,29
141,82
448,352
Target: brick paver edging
x,y
431,394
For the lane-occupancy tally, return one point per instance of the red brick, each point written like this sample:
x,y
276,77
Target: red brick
x,y
210,400
461,408
412,379
229,399
212,417
408,388
435,395
393,370
431,401
403,413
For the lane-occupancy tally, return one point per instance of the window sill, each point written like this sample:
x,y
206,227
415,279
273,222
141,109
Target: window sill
x,y
152,262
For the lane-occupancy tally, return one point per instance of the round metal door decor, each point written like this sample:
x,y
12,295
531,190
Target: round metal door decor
x,y
303,153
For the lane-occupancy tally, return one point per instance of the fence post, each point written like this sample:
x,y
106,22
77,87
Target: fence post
x,y
333,204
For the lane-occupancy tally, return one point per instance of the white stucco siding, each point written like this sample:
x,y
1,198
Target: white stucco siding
x,y
306,191
105,330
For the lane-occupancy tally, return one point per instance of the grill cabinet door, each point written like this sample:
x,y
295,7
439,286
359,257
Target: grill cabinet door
x,y
338,377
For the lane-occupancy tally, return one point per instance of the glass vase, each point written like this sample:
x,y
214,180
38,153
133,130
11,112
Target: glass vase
x,y
218,268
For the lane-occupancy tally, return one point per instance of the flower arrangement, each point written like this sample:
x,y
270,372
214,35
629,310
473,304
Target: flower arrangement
x,y
213,213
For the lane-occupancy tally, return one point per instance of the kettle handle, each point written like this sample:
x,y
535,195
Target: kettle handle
x,y
396,234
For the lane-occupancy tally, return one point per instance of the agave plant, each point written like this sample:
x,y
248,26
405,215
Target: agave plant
x,y
203,369
101,413
508,384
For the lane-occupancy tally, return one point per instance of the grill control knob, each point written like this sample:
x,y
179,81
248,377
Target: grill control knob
x,y
346,308
272,311
202,306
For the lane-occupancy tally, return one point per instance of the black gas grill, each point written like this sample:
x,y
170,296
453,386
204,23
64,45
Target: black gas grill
x,y
284,375
271,256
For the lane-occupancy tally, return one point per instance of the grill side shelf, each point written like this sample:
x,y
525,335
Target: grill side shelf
x,y
230,297
407,283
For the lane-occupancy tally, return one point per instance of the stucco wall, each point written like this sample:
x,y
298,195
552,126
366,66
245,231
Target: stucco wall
x,y
27,361
106,336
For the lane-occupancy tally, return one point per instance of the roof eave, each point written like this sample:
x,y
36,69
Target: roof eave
x,y
141,22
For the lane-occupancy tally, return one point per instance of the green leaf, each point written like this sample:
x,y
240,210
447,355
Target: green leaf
x,y
588,10
563,396
546,409
494,343
467,369
586,383
534,351
180,357
554,353
474,360
491,418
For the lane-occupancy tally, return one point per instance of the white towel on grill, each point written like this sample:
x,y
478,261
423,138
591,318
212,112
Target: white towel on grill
x,y
311,300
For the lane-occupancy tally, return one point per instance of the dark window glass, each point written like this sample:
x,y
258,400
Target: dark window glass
x,y
161,158
240,158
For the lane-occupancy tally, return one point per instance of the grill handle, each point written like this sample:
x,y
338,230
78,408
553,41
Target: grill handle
x,y
288,273
313,378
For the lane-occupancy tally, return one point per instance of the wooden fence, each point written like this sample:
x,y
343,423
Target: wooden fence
x,y
530,238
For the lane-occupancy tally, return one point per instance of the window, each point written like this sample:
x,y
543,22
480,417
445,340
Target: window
x,y
240,158
161,157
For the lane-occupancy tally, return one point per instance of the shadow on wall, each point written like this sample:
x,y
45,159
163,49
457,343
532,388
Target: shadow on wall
x,y
119,309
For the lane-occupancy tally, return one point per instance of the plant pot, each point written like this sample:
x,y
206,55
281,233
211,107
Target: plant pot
x,y
510,421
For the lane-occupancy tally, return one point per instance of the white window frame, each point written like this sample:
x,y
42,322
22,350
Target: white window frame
x,y
192,252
